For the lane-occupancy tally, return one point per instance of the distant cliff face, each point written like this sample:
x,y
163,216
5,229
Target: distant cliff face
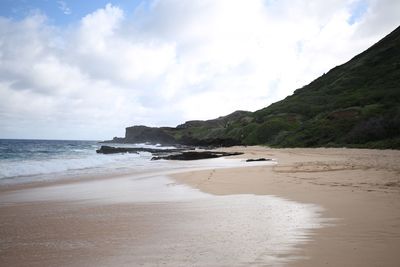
x,y
220,122
143,134
356,104
193,133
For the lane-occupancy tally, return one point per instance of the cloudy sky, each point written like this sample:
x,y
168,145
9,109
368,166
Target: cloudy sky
x,y
87,69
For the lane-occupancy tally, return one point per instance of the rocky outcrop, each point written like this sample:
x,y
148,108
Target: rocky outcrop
x,y
191,133
115,140
259,159
144,134
168,154
196,155
222,121
209,142
114,150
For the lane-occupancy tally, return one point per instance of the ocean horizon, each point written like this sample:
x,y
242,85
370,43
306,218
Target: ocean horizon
x,y
28,160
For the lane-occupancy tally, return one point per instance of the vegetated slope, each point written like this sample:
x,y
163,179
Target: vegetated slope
x,y
355,104
195,133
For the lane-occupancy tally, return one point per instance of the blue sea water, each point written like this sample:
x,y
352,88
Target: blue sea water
x,y
26,160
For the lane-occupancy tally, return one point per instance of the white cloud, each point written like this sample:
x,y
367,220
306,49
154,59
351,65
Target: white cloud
x,y
172,61
64,7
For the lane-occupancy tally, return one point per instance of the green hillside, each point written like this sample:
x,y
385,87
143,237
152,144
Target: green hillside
x,y
356,104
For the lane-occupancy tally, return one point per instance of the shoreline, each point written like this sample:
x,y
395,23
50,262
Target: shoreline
x,y
184,166
78,220
358,188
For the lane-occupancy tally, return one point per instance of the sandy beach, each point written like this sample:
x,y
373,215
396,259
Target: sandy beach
x,y
334,207
360,188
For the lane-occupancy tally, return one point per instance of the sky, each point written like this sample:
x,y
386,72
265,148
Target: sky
x,y
87,69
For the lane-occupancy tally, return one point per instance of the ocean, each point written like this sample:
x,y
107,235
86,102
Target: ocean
x,y
30,160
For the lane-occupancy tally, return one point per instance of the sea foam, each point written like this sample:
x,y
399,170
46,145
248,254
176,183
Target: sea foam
x,y
23,158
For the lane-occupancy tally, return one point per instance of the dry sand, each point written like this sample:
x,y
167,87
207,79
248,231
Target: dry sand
x,y
359,188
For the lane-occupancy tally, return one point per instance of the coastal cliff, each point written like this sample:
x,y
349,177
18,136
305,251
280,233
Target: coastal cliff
x,y
143,134
207,133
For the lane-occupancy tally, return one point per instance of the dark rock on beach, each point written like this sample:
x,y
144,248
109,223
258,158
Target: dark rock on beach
x,y
114,150
260,159
195,155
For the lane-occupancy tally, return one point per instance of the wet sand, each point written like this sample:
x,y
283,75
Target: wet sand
x,y
148,219
220,220
359,187
227,231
